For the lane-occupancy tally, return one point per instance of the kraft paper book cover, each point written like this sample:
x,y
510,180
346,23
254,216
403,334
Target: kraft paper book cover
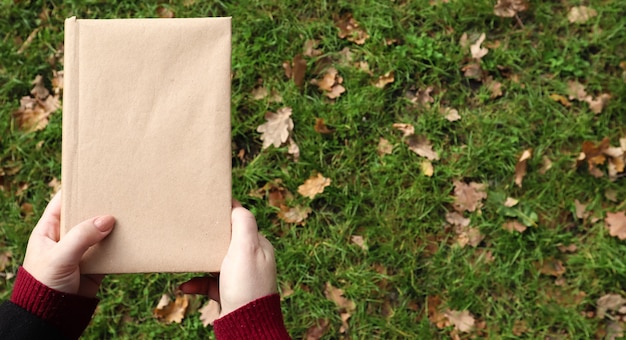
x,y
146,138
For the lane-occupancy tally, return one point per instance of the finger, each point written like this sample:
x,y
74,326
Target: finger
x,y
89,284
236,204
86,234
208,286
49,223
244,227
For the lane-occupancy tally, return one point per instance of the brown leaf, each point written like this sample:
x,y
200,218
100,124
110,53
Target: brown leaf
x,y
520,167
457,219
277,128
451,114
295,214
473,71
383,80
594,155
514,225
164,12
494,87
581,14
519,327
350,29
330,83
597,105
551,266
344,321
286,290
359,241
509,8
309,48
421,146
168,311
259,93
293,149
298,70
609,302
468,197
616,222
610,195
576,90
34,112
314,185
510,202
335,92
463,321
318,330
5,258
57,81
477,51
435,316
384,147
39,90
568,249
427,168
581,210
27,210
560,99
546,165
407,129
210,312
320,126
336,295
55,184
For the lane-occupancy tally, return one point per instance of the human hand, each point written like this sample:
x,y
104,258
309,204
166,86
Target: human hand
x,y
54,262
248,271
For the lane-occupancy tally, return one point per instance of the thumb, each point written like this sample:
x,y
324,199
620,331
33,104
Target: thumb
x,y
81,237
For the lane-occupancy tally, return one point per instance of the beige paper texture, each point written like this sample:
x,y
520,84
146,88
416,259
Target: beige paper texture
x,y
146,138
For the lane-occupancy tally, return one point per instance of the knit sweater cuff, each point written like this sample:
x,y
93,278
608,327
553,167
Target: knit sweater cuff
x,y
259,319
69,313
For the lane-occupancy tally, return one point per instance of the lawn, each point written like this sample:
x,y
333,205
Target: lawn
x,y
474,183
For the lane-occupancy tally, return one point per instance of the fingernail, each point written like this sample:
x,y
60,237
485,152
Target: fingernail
x,y
104,223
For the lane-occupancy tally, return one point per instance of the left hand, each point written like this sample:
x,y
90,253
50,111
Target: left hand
x,y
55,262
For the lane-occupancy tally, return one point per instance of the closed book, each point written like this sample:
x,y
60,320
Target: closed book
x,y
146,138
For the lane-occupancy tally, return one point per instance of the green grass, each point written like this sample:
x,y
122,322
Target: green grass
x,y
399,211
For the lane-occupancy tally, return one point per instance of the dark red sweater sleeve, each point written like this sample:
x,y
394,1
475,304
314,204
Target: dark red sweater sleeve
x,y
69,313
259,319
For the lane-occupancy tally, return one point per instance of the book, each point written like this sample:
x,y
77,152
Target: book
x,y
146,138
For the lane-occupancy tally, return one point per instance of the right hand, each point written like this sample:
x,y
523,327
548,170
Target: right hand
x,y
248,271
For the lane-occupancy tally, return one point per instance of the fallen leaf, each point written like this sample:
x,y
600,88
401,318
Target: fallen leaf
x,y
318,330
423,97
473,71
365,67
330,83
514,225
27,210
336,295
55,184
344,321
336,91
309,48
509,8
568,249
286,290
451,114
359,241
295,214
34,112
435,316
494,87
616,222
407,129
421,146
560,99
520,167
259,93
463,321
350,29
384,147
609,302
477,51
510,202
457,219
427,168
474,237
546,165
614,330
210,312
164,12
383,80
576,90
594,155
581,14
277,128
320,127
57,81
581,210
597,105
551,266
610,195
519,327
293,149
172,311
314,185
298,70
468,197
5,258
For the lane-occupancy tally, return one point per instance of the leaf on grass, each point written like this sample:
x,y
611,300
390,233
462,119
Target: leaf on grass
x,y
463,321
383,80
457,219
309,48
452,115
293,149
473,71
510,202
509,8
384,147
417,143
277,128
520,167
519,327
576,90
320,127
581,210
610,195
164,12
336,295
597,105
318,330
5,258
34,112
359,241
581,14
479,52
468,197
427,168
471,236
209,312
594,155
296,70
407,129
609,302
168,311
551,266
314,185
494,87
55,184
560,99
350,29
546,165
295,215
614,330
27,210
616,222
514,225
330,83
571,248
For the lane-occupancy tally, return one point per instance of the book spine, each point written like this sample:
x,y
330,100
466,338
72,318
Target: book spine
x,y
70,122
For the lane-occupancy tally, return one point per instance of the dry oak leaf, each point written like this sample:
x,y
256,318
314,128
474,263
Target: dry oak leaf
x,y
293,149
314,185
5,258
514,225
576,90
594,155
468,197
421,146
551,266
350,29
330,83
463,321
616,222
209,312
320,127
384,147
597,105
309,48
359,241
336,295
609,302
385,79
452,115
546,165
477,51
520,167
457,219
295,215
318,330
581,210
277,128
407,129
494,87
164,12
172,311
560,99
471,236
34,112
510,202
296,69
581,14
509,8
